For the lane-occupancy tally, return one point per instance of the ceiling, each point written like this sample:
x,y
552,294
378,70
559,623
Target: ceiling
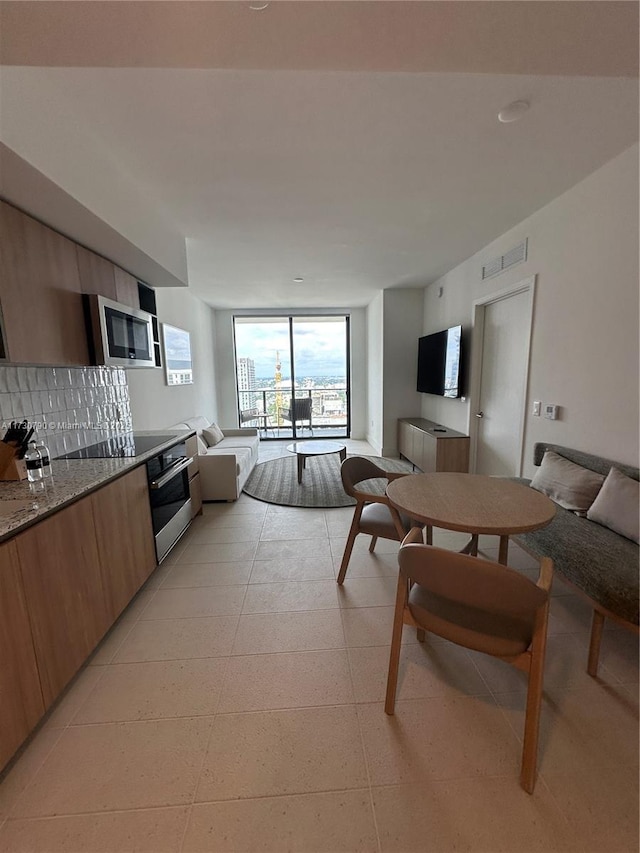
x,y
353,144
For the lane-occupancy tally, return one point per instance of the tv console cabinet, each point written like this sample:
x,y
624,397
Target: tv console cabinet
x,y
432,447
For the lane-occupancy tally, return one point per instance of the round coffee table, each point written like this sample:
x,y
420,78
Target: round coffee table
x,y
304,449
472,503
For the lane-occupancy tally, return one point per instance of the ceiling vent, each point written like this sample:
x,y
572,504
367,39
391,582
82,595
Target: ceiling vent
x,y
497,265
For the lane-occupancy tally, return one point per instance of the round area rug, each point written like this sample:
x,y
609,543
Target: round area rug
x,y
276,481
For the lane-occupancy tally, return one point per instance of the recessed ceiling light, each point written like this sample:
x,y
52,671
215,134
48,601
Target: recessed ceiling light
x,y
258,7
513,111
298,280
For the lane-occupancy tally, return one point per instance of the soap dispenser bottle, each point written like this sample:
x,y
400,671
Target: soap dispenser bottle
x,y
33,462
45,456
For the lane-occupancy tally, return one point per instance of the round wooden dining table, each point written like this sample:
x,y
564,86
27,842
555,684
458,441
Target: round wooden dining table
x,y
472,503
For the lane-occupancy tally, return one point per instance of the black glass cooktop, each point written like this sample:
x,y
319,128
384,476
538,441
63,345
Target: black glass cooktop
x,y
121,445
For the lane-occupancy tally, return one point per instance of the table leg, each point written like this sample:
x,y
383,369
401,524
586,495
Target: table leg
x,y
503,553
300,467
471,547
343,454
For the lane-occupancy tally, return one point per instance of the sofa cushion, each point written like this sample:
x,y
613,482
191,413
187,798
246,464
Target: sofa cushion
x,y
232,442
617,504
569,485
213,435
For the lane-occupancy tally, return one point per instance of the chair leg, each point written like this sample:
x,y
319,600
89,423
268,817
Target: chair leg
x,y
429,532
348,548
597,624
534,702
396,642
372,544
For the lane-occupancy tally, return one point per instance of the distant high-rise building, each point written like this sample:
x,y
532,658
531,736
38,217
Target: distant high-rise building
x,y
246,383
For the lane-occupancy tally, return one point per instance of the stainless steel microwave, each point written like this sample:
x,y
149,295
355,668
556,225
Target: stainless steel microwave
x,y
118,335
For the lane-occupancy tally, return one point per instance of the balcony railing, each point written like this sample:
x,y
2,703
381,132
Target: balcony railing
x,y
329,409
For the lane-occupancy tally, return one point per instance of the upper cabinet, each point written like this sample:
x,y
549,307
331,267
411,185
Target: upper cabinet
x,y
126,288
40,292
96,274
42,278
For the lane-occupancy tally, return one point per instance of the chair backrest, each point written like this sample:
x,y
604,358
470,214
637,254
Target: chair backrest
x,y
355,469
248,415
301,408
471,581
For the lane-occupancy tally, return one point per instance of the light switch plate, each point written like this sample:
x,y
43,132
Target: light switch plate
x,y
536,408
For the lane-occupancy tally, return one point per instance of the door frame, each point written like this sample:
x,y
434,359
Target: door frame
x,y
527,286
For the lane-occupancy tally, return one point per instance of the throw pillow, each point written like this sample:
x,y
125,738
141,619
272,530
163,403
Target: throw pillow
x,y
617,505
212,435
569,485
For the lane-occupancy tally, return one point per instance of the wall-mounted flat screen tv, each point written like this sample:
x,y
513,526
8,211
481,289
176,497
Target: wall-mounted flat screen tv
x,y
439,361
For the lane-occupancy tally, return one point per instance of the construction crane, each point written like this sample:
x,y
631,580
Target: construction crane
x,y
278,384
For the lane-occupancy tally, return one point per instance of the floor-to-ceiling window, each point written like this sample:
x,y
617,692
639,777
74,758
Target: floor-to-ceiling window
x,y
292,375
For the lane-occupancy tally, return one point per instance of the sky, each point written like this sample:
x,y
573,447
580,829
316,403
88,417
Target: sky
x,y
319,346
177,346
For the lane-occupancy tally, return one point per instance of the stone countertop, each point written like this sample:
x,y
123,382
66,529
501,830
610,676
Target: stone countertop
x,y
23,504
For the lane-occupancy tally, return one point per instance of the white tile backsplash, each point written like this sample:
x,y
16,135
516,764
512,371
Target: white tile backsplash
x,y
70,407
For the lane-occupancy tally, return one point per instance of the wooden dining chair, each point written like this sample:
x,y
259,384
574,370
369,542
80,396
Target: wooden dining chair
x,y
483,606
374,514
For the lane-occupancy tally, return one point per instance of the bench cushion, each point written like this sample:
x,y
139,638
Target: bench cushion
x,y
598,561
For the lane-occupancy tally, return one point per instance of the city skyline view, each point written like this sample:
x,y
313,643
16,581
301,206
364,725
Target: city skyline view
x,y
263,348
319,346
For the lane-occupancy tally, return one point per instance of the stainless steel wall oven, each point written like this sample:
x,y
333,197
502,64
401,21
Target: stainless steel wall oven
x,y
169,495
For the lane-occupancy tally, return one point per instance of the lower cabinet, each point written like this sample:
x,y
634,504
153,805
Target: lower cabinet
x,y
432,447
63,583
21,703
64,593
122,518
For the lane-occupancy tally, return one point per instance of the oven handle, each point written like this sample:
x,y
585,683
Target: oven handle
x,y
176,468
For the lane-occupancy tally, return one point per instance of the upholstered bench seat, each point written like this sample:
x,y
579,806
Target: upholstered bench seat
x,y
601,564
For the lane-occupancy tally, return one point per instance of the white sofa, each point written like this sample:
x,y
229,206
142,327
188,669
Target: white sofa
x,y
225,467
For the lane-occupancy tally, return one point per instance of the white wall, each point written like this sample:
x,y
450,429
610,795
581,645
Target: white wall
x,y
225,362
402,326
374,372
154,404
583,248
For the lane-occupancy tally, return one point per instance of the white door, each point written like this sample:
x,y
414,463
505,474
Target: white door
x,y
499,411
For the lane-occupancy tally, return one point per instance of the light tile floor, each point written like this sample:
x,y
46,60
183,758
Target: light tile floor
x,y
237,706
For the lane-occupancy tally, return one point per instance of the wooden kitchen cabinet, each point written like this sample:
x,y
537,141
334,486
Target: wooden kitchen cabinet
x,y
63,583
21,703
97,274
41,293
126,288
432,447
64,593
126,546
